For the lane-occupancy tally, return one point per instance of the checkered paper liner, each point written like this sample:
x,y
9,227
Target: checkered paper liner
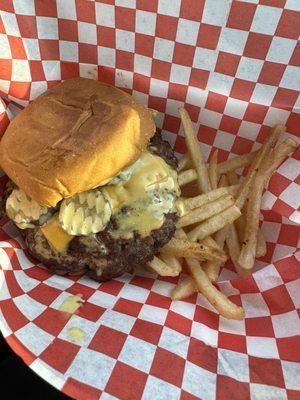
x,y
234,65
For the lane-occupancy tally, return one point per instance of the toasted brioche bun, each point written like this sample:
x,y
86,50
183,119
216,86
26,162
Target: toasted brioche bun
x,y
72,138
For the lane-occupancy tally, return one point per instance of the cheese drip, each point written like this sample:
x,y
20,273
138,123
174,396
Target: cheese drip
x,y
71,304
139,204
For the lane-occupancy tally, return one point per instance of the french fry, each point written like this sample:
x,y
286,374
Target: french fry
x,y
162,268
232,238
269,165
240,224
184,248
225,307
236,163
233,245
180,207
232,178
213,170
191,203
243,190
171,261
186,177
195,152
247,255
261,246
215,223
190,175
184,162
223,167
184,288
180,234
237,232
212,268
209,241
223,181
206,211
278,155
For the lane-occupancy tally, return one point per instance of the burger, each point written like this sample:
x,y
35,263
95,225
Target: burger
x,y
92,187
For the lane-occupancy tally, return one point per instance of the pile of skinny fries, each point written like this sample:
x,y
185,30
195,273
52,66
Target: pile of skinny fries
x,y
219,217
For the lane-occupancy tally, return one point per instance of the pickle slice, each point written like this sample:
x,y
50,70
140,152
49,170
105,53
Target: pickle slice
x,y
84,213
23,210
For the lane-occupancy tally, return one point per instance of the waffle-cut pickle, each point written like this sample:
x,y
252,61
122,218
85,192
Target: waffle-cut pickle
x,y
24,211
84,213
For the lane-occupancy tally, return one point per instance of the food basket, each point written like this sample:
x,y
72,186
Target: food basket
x,y
234,65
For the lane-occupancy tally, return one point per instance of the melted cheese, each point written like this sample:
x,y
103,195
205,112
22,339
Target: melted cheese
x,y
58,238
71,304
140,203
76,334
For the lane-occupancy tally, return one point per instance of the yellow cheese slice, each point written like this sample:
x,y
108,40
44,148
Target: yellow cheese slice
x,y
58,238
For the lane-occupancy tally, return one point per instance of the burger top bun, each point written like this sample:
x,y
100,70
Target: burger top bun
x,y
73,138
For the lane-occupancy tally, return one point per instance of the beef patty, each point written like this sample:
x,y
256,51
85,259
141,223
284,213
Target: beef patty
x,y
101,256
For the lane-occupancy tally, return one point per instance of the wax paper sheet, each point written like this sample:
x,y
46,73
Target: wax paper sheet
x,y
235,66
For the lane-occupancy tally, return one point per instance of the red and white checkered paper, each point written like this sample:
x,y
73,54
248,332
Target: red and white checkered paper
x,y
235,66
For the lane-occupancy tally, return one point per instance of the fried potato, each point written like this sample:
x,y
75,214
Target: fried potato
x,y
223,305
222,167
206,211
243,190
261,246
212,268
195,152
185,248
191,203
185,288
235,163
171,261
213,170
278,155
186,177
184,162
214,223
161,268
268,166
247,255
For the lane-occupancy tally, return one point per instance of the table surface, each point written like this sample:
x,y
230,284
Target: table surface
x,y
20,382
